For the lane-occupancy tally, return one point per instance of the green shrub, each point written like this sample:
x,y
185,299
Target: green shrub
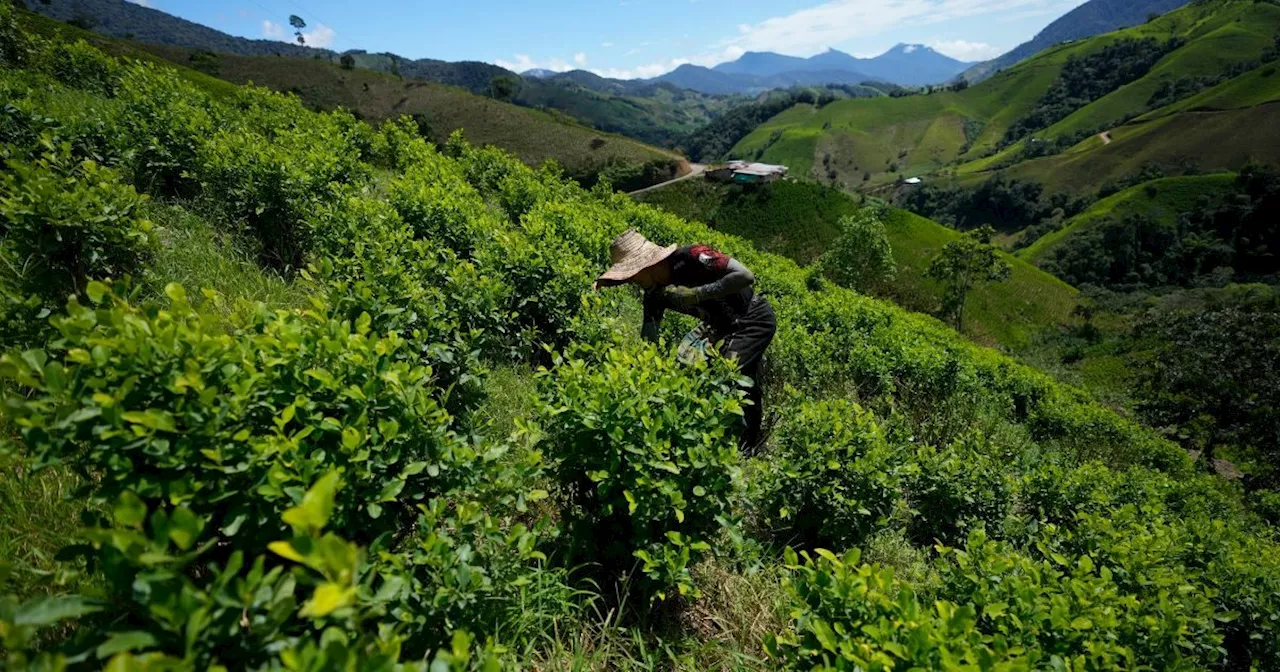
x,y
958,488
81,66
318,602
861,257
15,47
167,120
832,477
852,616
165,403
446,311
1082,609
274,182
646,456
67,221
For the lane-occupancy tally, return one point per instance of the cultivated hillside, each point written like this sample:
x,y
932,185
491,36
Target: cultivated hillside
x,y
286,391
533,136
1162,199
801,220
1094,17
1014,122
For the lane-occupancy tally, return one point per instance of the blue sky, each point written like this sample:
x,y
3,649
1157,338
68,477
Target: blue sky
x,y
632,38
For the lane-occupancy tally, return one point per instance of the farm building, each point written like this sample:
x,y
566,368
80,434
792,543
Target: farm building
x,y
744,172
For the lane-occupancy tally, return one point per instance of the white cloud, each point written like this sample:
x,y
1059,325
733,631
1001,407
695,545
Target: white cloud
x,y
607,45
523,62
144,3
967,51
812,30
654,69
320,36
580,58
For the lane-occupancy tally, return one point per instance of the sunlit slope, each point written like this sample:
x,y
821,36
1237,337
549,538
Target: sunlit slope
x,y
799,220
1163,200
869,143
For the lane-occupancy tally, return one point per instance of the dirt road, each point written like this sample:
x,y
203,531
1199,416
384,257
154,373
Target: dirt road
x,y
695,169
1106,137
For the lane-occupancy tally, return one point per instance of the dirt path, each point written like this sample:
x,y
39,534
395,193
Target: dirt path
x,y
1106,137
695,169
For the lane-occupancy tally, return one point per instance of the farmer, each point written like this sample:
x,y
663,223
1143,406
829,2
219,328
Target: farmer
x,y
711,286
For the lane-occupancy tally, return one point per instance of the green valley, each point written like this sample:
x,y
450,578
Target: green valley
x,y
800,220
957,135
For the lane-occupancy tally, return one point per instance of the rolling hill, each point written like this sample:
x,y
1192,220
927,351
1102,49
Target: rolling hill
x,y
1092,18
799,220
961,136
532,135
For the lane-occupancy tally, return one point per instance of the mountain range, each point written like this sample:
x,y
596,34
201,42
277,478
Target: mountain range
x,y
1092,18
753,72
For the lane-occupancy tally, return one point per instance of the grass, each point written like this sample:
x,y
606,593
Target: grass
x,y
799,220
1162,199
1009,314
197,254
38,516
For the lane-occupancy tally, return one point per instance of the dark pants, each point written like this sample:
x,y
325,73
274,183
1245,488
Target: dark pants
x,y
752,333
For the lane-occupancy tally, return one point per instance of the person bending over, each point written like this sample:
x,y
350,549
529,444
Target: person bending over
x,y
714,288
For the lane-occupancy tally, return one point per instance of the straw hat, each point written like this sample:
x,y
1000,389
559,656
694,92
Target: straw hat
x,y
632,253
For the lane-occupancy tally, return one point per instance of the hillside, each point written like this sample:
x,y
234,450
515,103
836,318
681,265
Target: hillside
x,y
1162,199
1094,17
533,136
967,133
282,390
800,220
645,111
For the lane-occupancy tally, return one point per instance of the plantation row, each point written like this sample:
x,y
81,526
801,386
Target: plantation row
x,y
311,489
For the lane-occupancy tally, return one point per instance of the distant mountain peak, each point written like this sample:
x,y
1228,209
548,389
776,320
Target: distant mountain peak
x,y
538,73
904,48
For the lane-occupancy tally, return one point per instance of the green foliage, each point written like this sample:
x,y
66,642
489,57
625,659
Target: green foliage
x,y
861,258
851,616
168,121
15,47
1212,375
1227,238
833,478
79,65
193,415
647,460
66,222
1084,80
273,181
956,489
965,264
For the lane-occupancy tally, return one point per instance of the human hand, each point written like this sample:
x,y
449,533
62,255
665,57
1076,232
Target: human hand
x,y
681,296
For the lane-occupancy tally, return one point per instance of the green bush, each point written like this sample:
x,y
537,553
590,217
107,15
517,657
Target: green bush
x,y
65,222
448,313
646,457
832,478
167,121
15,47
273,182
168,405
81,66
852,616
318,602
958,488
1083,609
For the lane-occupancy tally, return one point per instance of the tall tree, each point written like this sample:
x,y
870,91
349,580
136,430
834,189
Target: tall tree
x,y
964,264
298,24
861,258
